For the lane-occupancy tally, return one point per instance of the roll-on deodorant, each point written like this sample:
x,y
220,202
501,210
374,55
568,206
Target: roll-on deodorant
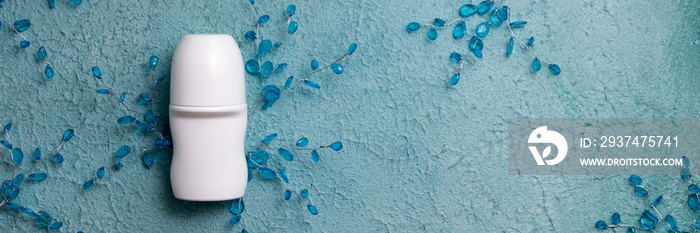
x,y
208,119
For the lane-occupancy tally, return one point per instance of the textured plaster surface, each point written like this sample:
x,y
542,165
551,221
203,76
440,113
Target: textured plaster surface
x,y
418,155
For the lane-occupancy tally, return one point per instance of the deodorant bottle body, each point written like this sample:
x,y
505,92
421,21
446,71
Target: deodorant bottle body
x,y
208,117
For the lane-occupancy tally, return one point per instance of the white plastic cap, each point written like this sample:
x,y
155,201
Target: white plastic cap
x,y
207,70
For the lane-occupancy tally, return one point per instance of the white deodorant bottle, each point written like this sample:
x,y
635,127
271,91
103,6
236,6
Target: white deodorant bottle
x,y
208,119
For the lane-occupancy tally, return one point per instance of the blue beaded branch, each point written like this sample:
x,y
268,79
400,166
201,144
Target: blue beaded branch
x,y
10,189
149,123
500,14
648,220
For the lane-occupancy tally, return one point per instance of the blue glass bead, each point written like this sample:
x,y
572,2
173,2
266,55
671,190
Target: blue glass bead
x,y
125,120
68,134
651,215
291,9
29,212
14,206
76,2
304,193
252,2
22,25
286,155
270,93
640,191
635,180
351,50
495,19
37,176
6,144
460,30
100,173
264,47
439,22
600,224
287,194
337,68
41,54
266,69
536,65
143,125
267,173
467,10
484,6
263,19
518,24
502,15
412,27
145,97
314,156
288,83
269,138
37,154
312,84
615,219
251,164
303,142
8,127
657,201
314,64
685,173
52,4
292,28
58,158
161,78
476,45
336,146
280,67
531,41
153,62
646,223
24,44
554,69
17,156
671,222
103,91
454,79
482,30
147,159
237,206
510,46
251,36
44,218
685,160
250,174
259,157
96,72
694,188
693,201
18,180
432,34
48,72
455,57
88,184
235,219
123,151
312,209
631,230
283,175
57,225
277,45
252,66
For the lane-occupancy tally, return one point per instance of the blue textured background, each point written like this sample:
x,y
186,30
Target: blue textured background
x,y
418,155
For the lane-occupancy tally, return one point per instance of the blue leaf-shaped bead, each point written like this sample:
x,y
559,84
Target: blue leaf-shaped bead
x,y
314,156
250,174
337,68
17,156
235,219
412,27
454,79
518,24
122,96
439,22
237,206
76,2
283,175
432,34
153,62
685,160
44,219
531,41
460,30
96,72
58,158
314,64
29,212
351,49
41,54
671,222
554,69
286,155
304,193
291,9
58,225
510,46
292,28
264,47
251,35
147,159
288,83
280,67
259,156
693,201
269,138
24,44
657,201
88,184
6,144
100,172
48,72
615,219
482,30
252,2
635,180
18,180
640,191
8,127
143,125
455,57
263,19
646,222
651,215
22,25
270,94
312,84
267,173
287,194
312,209
266,69
125,120
103,91
694,188
303,142
161,143
252,66
123,151
536,65
68,134
37,154
600,224
685,173
52,4
467,10
484,6
145,97
336,146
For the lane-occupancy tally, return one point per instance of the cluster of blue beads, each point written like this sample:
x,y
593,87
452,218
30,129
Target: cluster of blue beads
x,y
498,16
649,219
